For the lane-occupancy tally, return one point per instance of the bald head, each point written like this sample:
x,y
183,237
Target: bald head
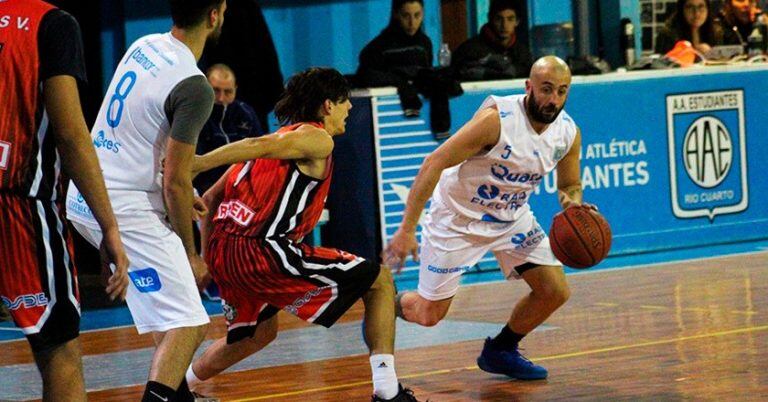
x,y
222,80
551,66
547,89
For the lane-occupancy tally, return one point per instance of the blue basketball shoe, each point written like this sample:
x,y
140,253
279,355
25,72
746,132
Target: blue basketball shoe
x,y
509,362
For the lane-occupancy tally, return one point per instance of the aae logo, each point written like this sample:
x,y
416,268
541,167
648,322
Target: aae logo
x,y
707,155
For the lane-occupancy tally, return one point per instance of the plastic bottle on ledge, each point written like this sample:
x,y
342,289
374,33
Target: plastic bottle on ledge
x,y
444,55
628,37
755,42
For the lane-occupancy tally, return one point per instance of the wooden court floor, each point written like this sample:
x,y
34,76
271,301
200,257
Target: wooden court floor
x,y
693,331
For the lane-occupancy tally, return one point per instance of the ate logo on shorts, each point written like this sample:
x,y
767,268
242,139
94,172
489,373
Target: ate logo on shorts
x,y
146,280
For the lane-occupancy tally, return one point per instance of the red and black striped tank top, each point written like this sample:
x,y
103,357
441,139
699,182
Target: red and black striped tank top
x,y
28,162
272,198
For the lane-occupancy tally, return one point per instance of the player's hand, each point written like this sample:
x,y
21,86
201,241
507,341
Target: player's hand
x,y
200,270
114,265
402,243
199,209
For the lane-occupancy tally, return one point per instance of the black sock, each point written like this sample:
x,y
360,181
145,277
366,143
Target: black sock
x,y
183,394
506,339
156,392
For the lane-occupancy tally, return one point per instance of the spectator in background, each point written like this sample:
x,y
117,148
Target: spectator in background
x,y
231,120
495,53
398,53
737,18
246,46
693,21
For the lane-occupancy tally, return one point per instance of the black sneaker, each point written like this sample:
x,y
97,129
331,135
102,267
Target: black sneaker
x,y
403,395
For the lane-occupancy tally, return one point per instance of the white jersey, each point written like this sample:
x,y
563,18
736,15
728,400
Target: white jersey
x,y
132,129
495,187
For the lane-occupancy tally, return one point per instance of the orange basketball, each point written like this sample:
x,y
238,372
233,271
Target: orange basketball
x,y
580,237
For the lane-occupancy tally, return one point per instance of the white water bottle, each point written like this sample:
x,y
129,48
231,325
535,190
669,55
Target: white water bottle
x,y
444,55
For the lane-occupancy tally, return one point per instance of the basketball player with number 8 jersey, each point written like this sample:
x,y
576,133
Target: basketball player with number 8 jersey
x,y
153,111
482,178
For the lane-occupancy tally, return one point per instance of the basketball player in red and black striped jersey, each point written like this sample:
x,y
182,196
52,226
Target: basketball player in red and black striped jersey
x,y
41,60
262,209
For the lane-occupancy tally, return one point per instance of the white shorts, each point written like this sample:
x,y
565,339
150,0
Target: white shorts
x,y
451,244
163,294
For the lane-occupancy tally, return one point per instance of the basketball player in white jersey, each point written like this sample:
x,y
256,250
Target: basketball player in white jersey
x,y
155,106
482,178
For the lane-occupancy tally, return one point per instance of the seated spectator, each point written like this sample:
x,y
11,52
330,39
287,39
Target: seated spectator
x,y
737,18
231,120
395,57
496,52
246,46
691,21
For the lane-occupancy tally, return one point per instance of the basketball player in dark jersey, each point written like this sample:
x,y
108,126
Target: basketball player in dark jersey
x,y
260,212
41,60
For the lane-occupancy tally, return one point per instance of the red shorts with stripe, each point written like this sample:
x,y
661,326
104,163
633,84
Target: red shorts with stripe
x,y
38,280
259,277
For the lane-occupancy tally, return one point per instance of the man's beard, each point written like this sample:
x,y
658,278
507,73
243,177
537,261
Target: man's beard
x,y
213,37
538,114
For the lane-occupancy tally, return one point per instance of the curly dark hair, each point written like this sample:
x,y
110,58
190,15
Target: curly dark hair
x,y
305,93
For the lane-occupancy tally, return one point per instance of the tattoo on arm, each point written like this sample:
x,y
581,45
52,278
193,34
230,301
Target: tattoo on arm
x,y
571,194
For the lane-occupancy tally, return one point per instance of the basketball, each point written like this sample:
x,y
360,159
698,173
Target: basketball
x,y
580,237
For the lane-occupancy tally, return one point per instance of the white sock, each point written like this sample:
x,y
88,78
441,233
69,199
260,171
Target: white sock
x,y
385,383
192,380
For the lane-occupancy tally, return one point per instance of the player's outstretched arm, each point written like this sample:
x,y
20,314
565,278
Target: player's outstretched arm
x,y
569,191
477,136
306,142
78,157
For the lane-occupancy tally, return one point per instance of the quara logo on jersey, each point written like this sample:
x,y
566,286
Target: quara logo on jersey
x,y
101,141
25,301
503,173
5,154
237,211
146,280
707,154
